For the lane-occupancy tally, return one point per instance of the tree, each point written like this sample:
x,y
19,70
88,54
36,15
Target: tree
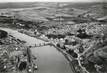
x,y
3,34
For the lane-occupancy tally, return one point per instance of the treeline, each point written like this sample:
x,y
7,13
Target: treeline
x,y
17,22
54,36
6,19
3,34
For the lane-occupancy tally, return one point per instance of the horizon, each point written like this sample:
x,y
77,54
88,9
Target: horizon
x,y
74,1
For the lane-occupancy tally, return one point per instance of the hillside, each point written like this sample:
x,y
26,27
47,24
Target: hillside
x,y
42,11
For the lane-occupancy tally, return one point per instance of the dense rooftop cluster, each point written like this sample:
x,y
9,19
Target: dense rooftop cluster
x,y
10,49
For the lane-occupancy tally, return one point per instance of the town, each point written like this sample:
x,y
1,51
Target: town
x,y
53,38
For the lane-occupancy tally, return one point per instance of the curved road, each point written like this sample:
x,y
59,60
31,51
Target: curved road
x,y
49,60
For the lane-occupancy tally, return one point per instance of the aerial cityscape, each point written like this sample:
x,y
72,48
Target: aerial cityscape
x,y
53,37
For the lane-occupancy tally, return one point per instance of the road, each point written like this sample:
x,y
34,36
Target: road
x,y
49,60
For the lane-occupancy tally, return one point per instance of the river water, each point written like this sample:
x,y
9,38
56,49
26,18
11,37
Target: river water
x,y
49,59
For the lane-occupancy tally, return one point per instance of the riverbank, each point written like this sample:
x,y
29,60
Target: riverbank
x,y
70,59
30,41
50,52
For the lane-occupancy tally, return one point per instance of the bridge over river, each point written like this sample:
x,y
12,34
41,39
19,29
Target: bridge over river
x,y
49,60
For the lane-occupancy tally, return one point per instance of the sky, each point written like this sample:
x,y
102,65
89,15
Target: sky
x,y
52,0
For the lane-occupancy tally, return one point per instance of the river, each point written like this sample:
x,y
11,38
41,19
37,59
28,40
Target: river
x,y
49,60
